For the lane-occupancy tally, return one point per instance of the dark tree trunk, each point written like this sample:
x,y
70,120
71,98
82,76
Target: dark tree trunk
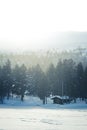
x,y
8,95
44,100
22,97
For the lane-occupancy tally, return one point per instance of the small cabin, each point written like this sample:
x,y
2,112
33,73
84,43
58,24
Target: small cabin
x,y
60,100
57,100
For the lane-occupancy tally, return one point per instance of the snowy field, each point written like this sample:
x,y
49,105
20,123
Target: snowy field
x,y
33,115
43,119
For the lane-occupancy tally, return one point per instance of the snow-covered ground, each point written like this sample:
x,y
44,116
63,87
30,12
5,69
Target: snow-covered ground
x,y
33,115
43,119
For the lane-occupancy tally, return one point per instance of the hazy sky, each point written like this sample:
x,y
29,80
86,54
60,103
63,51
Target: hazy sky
x,y
30,24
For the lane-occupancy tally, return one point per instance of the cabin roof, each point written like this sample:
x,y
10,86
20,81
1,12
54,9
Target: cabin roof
x,y
60,97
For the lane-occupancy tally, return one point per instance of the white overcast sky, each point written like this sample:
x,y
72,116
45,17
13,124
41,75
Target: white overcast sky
x,y
31,24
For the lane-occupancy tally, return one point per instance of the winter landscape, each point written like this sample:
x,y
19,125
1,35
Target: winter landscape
x,y
43,65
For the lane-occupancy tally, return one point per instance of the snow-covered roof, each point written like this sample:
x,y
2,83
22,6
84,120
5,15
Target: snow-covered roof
x,y
60,97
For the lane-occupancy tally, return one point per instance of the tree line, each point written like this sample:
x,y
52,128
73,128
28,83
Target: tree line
x,y
44,57
67,78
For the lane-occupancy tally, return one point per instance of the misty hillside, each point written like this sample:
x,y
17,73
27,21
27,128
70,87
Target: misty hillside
x,y
53,40
68,40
